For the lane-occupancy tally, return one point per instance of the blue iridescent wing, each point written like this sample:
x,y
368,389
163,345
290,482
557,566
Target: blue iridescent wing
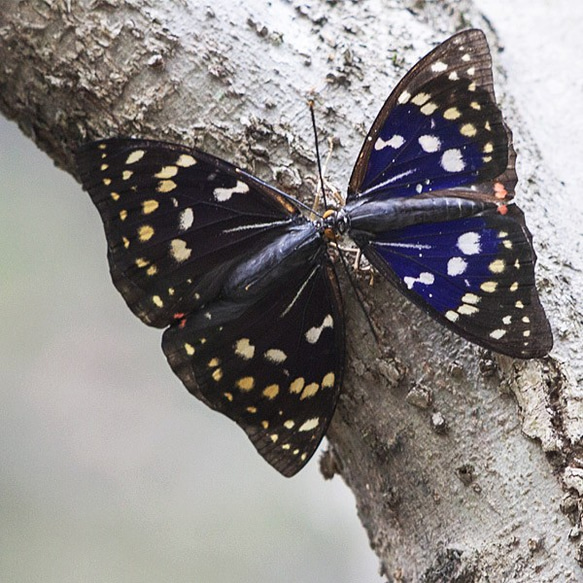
x,y
439,129
475,275
440,137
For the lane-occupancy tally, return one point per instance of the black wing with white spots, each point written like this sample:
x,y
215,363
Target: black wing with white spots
x,y
177,221
430,202
240,279
274,366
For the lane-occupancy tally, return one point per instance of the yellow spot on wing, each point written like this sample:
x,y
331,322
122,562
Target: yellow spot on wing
x,y
149,206
167,172
310,390
309,424
145,233
497,266
251,409
127,174
246,383
271,391
489,286
115,196
275,355
229,396
217,374
107,181
328,380
214,362
468,130
189,348
158,301
185,160
135,156
428,108
166,186
152,270
126,242
420,98
289,424
179,251
141,262
451,113
123,215
297,385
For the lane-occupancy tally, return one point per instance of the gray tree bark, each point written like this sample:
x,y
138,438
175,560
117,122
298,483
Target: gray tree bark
x,y
466,466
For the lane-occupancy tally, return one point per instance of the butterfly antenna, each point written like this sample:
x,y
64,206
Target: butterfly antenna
x,y
357,293
311,106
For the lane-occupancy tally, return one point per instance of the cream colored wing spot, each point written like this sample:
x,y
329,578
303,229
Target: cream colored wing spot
x,y
328,380
225,194
244,349
275,355
309,424
185,161
135,156
179,250
314,333
186,219
167,172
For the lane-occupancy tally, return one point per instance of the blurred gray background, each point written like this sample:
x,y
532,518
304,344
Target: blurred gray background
x,y
110,470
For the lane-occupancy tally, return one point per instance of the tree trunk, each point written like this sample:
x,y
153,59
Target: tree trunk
x,y
466,466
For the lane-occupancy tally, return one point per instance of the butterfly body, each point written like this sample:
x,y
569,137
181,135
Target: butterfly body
x,y
245,287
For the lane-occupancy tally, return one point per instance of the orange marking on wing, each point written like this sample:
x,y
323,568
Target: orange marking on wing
x,y
499,190
502,209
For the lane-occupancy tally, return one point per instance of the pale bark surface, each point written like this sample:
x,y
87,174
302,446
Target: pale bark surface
x,y
465,466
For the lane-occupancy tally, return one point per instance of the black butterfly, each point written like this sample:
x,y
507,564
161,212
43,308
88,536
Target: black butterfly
x,y
243,282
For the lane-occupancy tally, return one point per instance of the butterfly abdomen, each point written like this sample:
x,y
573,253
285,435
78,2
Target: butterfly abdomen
x,y
368,217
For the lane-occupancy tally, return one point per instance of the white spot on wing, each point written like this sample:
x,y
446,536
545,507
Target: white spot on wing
x,y
430,143
469,243
224,194
425,278
313,334
309,424
179,251
452,160
395,142
456,266
439,67
186,219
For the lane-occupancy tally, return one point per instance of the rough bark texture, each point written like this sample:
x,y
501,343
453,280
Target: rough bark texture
x,y
466,466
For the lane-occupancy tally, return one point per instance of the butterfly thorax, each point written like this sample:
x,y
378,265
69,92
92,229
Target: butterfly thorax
x,y
289,256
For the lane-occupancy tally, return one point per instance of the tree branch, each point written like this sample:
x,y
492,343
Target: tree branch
x,y
447,484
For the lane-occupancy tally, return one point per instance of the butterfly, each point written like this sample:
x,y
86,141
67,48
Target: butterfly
x,y
243,283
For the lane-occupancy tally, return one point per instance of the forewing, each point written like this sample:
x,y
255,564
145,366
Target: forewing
x,y
176,221
275,366
475,275
439,129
